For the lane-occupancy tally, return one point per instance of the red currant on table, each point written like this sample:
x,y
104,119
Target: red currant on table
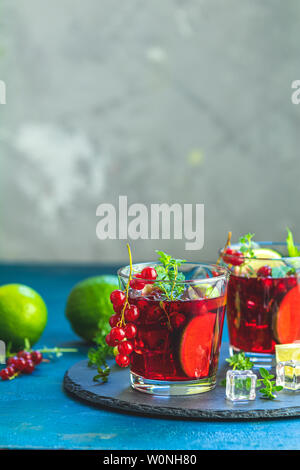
x,y
37,357
122,360
20,364
12,361
233,257
29,367
117,334
149,274
114,319
10,371
25,354
131,313
264,271
4,374
117,297
125,348
130,330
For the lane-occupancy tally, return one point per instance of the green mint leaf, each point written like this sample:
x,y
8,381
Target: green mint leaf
x,y
264,373
292,249
282,271
168,271
246,245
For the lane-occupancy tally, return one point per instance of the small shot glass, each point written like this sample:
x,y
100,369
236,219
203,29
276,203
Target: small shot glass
x,y
288,375
240,385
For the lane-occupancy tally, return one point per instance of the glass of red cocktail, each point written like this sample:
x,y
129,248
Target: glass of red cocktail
x,y
178,324
263,302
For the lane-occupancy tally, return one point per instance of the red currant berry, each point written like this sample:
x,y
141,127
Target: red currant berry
x,y
37,357
109,341
178,320
153,313
136,284
131,313
117,297
264,271
233,257
4,374
20,364
12,361
149,274
130,330
122,360
138,346
114,319
10,371
117,334
25,354
125,348
29,367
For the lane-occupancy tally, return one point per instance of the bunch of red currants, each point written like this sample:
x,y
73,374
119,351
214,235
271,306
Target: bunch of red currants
x,y
24,362
234,257
123,328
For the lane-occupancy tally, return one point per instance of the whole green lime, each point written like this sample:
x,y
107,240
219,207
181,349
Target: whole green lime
x,y
88,303
23,314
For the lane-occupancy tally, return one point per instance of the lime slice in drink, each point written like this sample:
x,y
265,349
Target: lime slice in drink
x,y
207,291
196,344
261,258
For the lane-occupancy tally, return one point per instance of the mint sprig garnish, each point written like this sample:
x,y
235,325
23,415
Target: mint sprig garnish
x,y
246,245
269,385
168,271
240,362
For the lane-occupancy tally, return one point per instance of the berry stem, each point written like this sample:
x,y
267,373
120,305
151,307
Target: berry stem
x,y
122,321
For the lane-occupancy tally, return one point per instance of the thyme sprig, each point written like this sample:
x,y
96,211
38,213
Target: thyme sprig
x,y
168,271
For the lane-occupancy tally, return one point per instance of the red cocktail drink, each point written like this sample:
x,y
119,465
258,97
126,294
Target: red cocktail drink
x,y
263,303
253,312
178,329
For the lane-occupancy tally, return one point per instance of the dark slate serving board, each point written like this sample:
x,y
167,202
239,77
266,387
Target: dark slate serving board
x,y
118,395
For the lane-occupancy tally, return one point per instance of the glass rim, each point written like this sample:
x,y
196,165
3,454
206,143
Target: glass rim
x,y
223,270
265,245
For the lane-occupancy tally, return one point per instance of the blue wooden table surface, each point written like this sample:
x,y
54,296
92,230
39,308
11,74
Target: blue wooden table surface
x,y
37,414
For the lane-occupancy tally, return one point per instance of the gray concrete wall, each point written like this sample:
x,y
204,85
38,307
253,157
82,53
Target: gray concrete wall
x,y
162,101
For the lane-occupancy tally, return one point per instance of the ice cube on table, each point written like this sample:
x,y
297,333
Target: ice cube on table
x,y
288,375
240,385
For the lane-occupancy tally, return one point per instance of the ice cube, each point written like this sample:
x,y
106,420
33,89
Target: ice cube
x,y
288,374
240,385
